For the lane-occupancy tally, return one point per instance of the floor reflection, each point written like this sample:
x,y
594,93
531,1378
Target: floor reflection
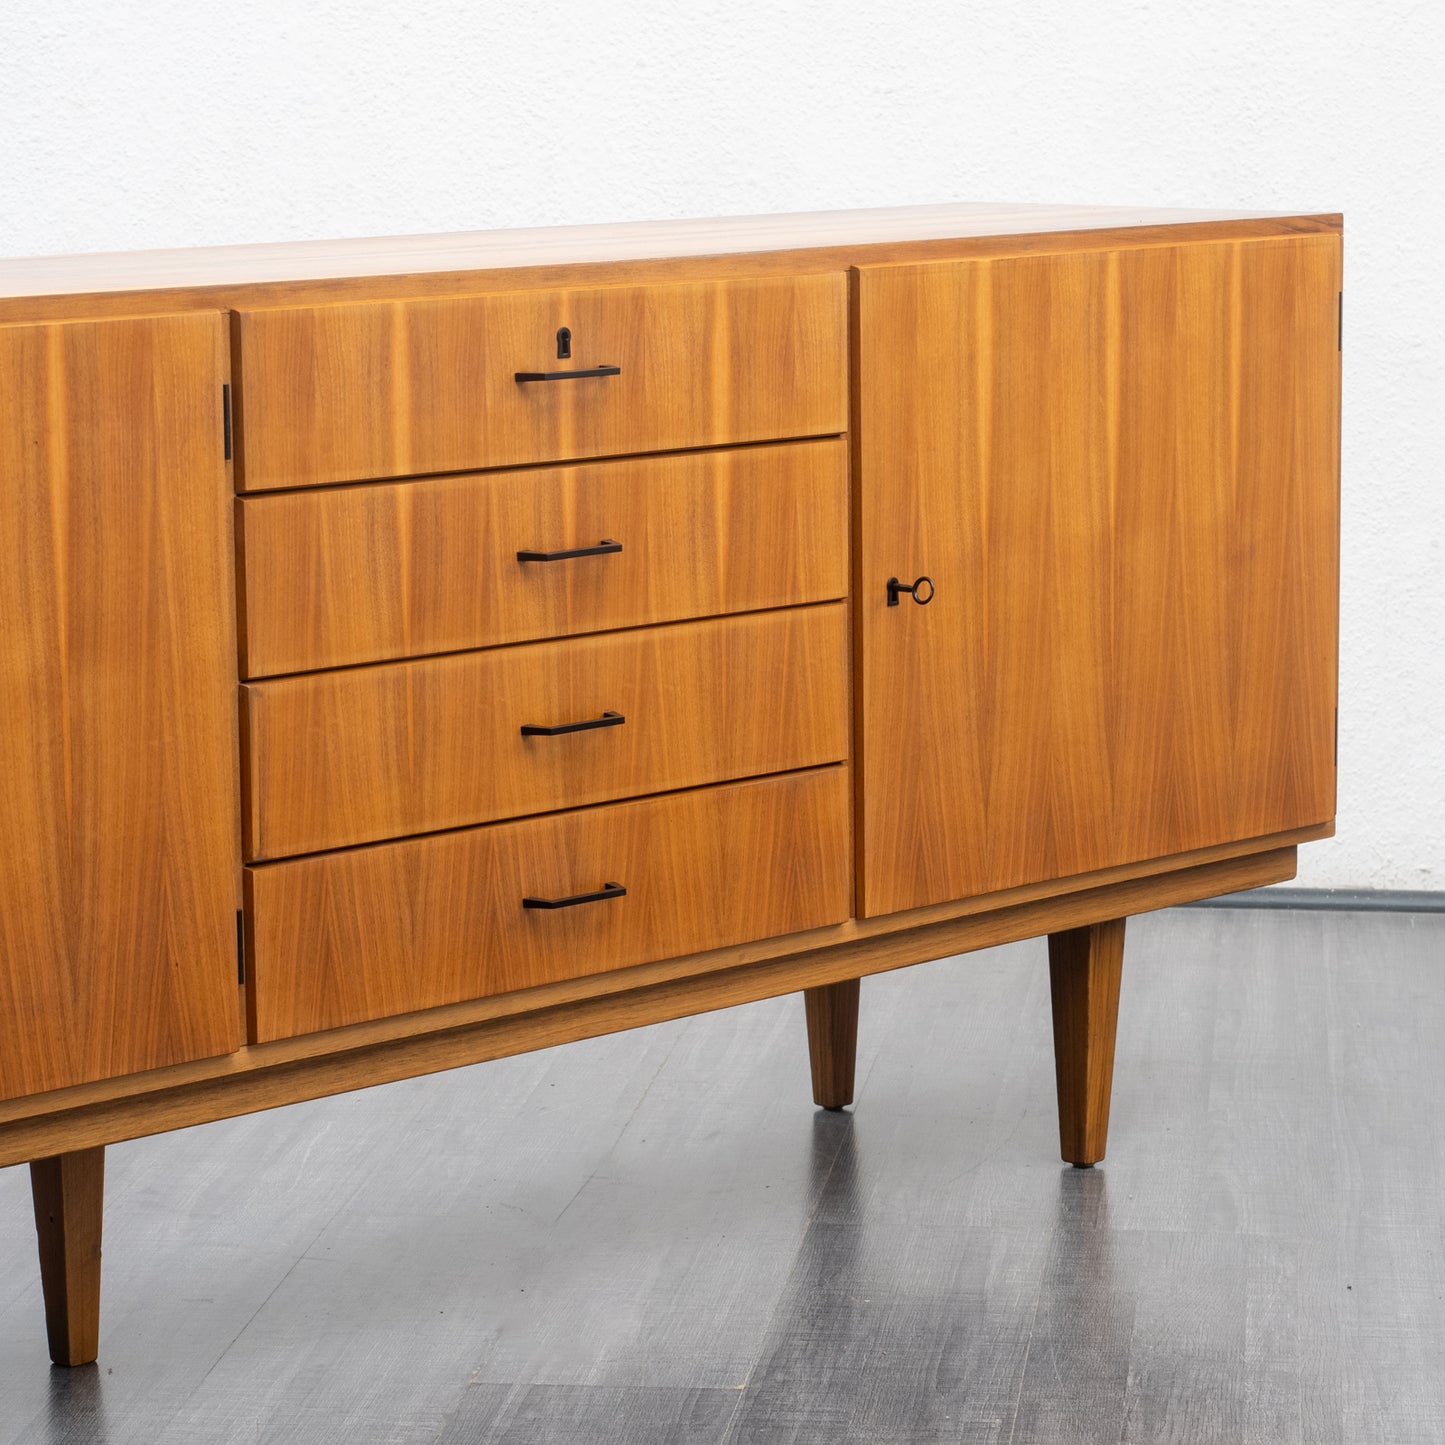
x,y
835,1238
76,1405
1084,1254
1083,1201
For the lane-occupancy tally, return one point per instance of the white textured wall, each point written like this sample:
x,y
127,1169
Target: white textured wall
x,y
183,123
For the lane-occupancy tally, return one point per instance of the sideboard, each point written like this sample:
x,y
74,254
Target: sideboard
x,y
419,651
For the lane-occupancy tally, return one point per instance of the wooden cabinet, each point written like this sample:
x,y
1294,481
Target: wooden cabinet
x,y
1119,469
425,652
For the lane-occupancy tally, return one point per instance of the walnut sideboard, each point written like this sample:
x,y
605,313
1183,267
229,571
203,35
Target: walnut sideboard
x,y
419,651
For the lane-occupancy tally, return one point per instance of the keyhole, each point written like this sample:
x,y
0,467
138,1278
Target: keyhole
x,y
564,342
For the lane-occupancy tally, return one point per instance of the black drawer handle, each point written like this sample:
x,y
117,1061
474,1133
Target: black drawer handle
x,y
607,720
568,375
922,590
608,890
603,549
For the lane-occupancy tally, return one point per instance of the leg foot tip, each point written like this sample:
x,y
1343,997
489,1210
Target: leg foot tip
x,y
1073,1165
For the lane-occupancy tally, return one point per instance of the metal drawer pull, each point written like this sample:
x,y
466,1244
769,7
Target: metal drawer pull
x,y
607,720
920,596
604,548
567,375
608,890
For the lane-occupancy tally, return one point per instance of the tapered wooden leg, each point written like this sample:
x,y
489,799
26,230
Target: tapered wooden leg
x,y
1084,969
68,1191
832,1041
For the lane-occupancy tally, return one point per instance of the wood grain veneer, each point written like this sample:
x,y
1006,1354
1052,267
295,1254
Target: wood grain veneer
x,y
339,758
343,575
268,1075
401,926
342,392
297,271
1125,488
119,862
831,1013
592,986
68,1193
1085,970
1109,436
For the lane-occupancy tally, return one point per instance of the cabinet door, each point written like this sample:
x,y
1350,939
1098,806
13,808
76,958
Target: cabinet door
x,y
1120,470
119,855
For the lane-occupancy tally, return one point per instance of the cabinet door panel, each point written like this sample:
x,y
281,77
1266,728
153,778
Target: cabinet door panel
x,y
1121,471
119,858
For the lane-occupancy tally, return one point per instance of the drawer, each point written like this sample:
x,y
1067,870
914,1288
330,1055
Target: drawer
x,y
371,932
334,759
359,574
405,388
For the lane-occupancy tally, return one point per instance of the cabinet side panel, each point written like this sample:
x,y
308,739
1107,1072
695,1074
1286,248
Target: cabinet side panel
x,y
119,861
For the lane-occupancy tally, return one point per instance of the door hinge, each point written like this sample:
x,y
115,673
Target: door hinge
x,y
240,946
1340,332
1337,738
226,415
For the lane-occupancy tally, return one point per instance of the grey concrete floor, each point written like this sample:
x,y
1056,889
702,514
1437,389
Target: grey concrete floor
x,y
655,1238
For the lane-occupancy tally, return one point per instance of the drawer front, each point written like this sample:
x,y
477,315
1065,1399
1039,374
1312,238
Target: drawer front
x,y
373,932
361,574
334,759
405,388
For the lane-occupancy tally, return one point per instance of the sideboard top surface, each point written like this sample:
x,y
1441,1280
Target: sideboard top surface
x,y
287,272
